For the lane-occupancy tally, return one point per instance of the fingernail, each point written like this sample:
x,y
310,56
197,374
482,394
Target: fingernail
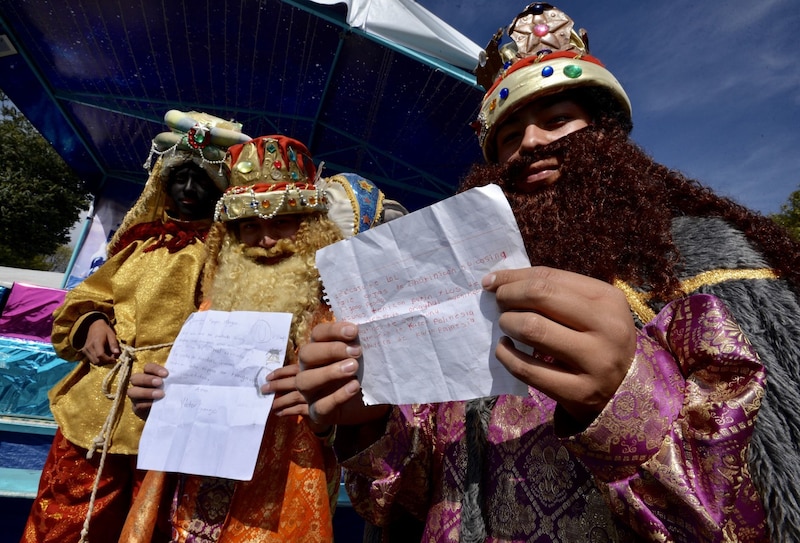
x,y
488,280
349,367
352,387
349,331
354,351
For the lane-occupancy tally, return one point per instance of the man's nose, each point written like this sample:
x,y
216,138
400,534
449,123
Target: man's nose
x,y
533,137
191,184
267,240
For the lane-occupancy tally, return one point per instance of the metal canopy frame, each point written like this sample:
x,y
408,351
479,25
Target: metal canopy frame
x,y
96,78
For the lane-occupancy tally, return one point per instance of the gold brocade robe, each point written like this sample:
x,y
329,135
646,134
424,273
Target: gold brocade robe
x,y
146,296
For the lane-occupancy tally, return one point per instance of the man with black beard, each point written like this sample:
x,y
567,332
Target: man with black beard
x,y
584,456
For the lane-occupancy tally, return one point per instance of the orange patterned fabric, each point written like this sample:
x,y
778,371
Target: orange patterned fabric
x,y
291,497
61,504
288,499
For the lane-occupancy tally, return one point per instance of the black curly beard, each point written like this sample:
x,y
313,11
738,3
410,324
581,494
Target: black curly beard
x,y
605,216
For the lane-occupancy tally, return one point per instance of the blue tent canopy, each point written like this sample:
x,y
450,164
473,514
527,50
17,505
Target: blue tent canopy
x,y
96,78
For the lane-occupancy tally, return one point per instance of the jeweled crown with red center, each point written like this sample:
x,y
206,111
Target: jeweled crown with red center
x,y
270,176
546,56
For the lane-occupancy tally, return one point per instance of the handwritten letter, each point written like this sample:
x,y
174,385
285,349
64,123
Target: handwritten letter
x,y
212,418
427,328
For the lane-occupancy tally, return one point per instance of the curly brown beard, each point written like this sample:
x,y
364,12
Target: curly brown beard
x,y
610,212
605,219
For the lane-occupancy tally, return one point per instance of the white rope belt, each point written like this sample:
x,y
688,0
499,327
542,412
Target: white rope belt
x,y
121,374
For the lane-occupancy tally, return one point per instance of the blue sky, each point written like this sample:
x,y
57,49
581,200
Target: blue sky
x,y
715,85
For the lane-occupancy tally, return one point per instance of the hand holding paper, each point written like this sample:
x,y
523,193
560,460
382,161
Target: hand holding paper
x,y
211,420
427,328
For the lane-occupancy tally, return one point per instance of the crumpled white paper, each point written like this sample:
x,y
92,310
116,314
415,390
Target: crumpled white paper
x,y
427,329
212,418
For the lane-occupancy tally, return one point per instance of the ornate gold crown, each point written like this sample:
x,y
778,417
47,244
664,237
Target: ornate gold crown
x,y
269,176
540,29
546,56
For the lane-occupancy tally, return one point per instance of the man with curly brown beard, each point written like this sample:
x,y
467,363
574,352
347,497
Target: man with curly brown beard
x,y
612,443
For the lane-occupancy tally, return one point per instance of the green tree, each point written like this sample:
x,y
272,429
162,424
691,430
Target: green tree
x,y
59,260
40,196
790,214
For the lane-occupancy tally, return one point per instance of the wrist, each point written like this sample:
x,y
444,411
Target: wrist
x,y
81,330
325,434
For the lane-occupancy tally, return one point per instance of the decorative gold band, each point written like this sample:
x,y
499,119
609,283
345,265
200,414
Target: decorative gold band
x,y
638,300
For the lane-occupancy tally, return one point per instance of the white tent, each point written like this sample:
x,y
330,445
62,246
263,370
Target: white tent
x,y
409,24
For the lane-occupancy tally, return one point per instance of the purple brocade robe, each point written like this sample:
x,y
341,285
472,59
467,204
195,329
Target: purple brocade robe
x,y
664,461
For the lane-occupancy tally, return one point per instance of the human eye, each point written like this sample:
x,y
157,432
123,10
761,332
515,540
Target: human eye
x,y
508,135
561,114
181,175
247,226
556,116
557,121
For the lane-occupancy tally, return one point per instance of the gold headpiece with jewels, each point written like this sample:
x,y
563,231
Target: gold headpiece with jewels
x,y
270,176
198,136
546,56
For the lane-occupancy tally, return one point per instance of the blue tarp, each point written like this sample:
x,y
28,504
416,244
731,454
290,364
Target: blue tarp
x,y
28,369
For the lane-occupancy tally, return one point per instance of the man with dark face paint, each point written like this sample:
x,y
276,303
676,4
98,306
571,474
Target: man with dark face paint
x,y
643,390
192,191
125,314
